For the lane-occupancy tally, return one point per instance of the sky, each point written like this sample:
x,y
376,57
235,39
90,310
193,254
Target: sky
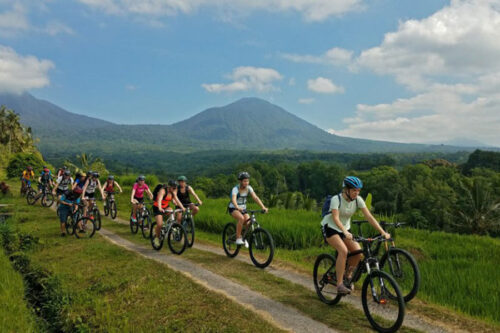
x,y
424,71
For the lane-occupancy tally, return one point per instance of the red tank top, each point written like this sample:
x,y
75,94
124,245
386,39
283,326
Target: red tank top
x,y
165,201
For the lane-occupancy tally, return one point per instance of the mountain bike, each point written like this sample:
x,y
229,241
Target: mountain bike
x,y
71,222
46,196
188,224
26,188
93,213
381,297
79,225
400,264
143,220
259,240
110,205
173,231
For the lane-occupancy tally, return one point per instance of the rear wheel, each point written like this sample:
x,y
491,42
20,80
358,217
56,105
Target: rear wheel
x,y
152,237
261,248
47,199
177,238
31,197
229,240
325,279
85,228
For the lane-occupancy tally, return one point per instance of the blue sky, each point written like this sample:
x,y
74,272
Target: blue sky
x,y
407,71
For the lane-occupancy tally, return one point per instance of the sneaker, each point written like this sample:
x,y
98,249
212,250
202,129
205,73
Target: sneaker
x,y
343,290
156,241
246,244
240,241
134,219
63,234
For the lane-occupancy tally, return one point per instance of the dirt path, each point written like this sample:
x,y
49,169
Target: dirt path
x,y
276,313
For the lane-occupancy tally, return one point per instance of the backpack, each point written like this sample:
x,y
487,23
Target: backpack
x,y
325,210
156,190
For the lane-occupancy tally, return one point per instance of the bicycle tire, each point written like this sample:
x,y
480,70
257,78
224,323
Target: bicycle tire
x,y
31,197
188,225
258,240
152,237
177,236
394,269
229,240
47,199
69,225
146,227
113,210
97,218
106,207
134,226
381,305
324,274
88,226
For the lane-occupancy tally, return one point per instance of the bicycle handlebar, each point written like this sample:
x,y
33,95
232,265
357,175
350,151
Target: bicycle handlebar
x,y
382,223
261,211
379,238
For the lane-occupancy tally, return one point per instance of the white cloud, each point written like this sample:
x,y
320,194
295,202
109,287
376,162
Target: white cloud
x,y
19,73
55,28
332,131
291,82
324,86
247,78
311,10
130,87
334,56
306,100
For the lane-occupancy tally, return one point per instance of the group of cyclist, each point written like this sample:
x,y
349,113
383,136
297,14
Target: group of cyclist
x,y
335,224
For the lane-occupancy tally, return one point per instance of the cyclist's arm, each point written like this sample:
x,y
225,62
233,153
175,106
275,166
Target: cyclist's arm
x,y
190,189
177,202
132,196
369,217
150,194
85,187
101,189
119,187
160,195
235,203
257,199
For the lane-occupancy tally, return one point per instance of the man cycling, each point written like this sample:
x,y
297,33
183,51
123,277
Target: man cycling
x,y
183,190
238,204
336,225
163,197
137,196
27,176
45,180
63,183
91,184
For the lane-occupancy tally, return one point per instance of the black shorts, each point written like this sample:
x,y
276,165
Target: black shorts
x,y
60,192
156,211
139,200
329,232
231,210
185,204
90,195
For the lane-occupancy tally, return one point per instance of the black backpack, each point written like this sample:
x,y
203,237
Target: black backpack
x,y
156,190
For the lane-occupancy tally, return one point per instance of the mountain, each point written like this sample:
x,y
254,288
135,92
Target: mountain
x,y
247,124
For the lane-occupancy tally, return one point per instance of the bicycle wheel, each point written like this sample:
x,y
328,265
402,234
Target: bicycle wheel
x,y
229,240
188,225
70,225
106,208
97,218
146,227
85,228
401,265
47,199
177,238
134,226
113,210
261,247
325,279
152,238
384,312
31,197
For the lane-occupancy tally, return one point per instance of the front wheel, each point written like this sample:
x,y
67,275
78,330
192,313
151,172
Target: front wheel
x,y
177,238
70,225
47,199
261,248
106,208
31,197
325,279
383,302
229,240
404,269
85,228
188,225
112,209
97,219
146,227
134,226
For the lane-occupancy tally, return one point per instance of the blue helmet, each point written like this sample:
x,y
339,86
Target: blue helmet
x,y
352,182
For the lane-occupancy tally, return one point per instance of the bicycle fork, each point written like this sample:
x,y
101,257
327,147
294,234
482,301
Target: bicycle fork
x,y
376,299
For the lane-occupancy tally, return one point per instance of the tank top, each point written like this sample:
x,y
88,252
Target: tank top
x,y
183,197
64,184
91,186
164,201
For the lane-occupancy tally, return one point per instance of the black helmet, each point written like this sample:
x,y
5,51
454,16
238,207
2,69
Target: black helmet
x,y
67,173
78,175
65,167
95,174
111,177
89,173
172,183
45,167
243,175
141,177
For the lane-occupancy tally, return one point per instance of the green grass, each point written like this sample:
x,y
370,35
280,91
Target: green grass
x,y
114,290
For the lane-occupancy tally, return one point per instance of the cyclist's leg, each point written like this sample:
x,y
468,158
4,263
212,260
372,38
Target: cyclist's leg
x,y
241,218
159,224
64,211
337,243
134,213
85,205
178,215
194,209
353,260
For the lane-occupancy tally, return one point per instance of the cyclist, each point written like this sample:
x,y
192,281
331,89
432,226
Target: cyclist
x,y
68,205
28,175
60,171
182,192
238,204
45,179
137,196
164,195
63,183
79,181
336,225
91,184
109,187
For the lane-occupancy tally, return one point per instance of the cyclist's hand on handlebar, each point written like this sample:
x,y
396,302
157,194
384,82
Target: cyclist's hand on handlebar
x,y
387,235
200,203
348,235
265,210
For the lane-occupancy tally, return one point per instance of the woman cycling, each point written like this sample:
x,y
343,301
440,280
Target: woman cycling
x,y
137,196
336,225
183,191
238,204
160,206
92,184
109,187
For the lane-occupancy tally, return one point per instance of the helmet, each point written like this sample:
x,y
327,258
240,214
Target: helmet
x,y
243,175
67,173
29,168
141,177
89,173
78,175
78,190
182,178
352,182
110,177
172,183
95,174
46,169
65,168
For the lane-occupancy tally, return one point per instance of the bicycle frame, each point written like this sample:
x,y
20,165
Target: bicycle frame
x,y
248,229
168,222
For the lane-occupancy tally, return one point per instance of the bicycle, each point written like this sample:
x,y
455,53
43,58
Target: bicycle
x,y
70,224
143,220
93,213
399,263
79,225
173,231
110,205
47,198
188,224
380,293
26,188
259,240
